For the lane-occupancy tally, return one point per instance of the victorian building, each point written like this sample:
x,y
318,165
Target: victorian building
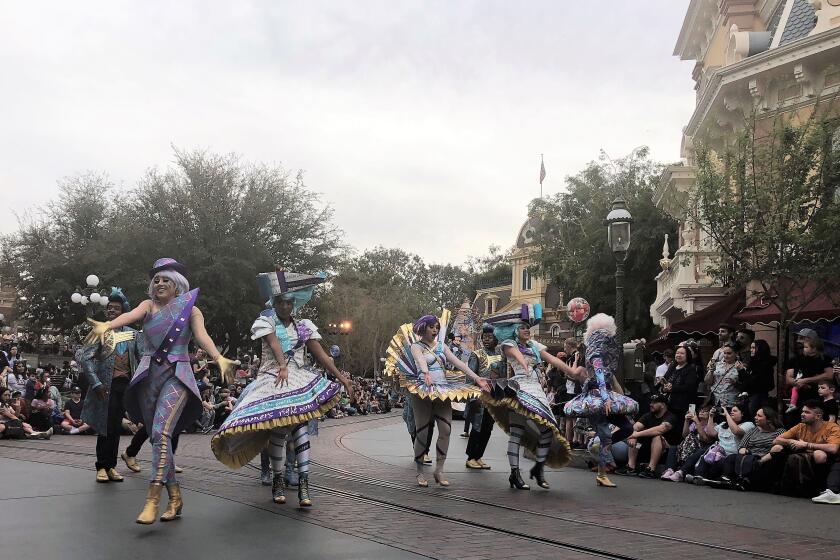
x,y
773,57
523,285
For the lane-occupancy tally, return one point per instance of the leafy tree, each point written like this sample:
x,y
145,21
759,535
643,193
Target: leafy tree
x,y
223,218
571,238
768,203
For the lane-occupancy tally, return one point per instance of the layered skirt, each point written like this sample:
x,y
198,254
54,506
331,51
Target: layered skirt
x,y
264,406
523,395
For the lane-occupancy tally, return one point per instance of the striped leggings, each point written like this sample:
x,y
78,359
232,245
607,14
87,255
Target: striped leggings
x,y
517,430
277,439
427,413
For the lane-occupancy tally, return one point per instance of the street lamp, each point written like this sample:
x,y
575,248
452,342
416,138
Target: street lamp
x,y
618,236
89,297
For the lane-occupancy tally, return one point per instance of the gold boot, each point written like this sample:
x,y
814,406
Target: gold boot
x,y
602,480
173,508
150,509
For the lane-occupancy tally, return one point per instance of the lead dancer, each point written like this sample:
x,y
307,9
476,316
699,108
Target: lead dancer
x,y
519,404
163,393
287,394
419,356
598,400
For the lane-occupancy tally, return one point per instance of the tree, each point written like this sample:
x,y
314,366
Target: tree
x,y
380,290
225,219
571,238
768,203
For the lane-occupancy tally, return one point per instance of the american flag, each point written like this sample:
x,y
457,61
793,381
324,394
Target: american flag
x,y
542,170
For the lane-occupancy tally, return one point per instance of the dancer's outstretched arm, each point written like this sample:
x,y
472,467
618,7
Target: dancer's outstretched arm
x,y
452,359
318,352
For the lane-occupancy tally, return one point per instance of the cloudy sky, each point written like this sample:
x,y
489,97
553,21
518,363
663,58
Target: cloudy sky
x,y
400,113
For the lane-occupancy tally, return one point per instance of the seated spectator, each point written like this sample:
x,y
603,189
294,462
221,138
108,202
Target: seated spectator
x,y
41,410
650,435
16,379
72,423
29,386
801,456
11,425
827,391
707,463
694,424
742,468
208,412
223,407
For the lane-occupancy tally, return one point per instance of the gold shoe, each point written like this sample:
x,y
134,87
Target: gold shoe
x,y
150,508
602,480
130,462
102,475
178,469
483,464
440,480
114,475
175,505
473,464
422,482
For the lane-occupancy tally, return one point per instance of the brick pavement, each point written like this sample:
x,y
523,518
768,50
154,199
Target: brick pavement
x,y
544,517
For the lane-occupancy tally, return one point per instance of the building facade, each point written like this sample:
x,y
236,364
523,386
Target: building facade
x,y
770,57
524,285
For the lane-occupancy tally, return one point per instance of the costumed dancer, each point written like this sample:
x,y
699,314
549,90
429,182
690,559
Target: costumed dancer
x,y
518,403
598,400
287,394
418,355
163,393
109,367
489,367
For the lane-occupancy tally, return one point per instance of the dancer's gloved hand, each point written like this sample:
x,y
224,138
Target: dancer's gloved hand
x,y
282,376
97,333
226,368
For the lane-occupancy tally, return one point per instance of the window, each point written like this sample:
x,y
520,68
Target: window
x,y
526,279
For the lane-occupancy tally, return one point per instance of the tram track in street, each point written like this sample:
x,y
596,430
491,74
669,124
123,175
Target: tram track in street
x,y
333,481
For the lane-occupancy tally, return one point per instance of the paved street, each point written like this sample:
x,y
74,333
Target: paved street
x,y
367,506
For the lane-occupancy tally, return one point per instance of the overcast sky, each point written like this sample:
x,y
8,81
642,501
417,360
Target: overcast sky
x,y
399,113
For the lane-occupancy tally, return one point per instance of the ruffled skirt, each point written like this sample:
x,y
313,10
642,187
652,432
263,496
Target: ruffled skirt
x,y
523,395
450,386
263,406
590,403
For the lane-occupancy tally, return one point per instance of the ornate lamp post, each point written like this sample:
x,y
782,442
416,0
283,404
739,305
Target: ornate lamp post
x,y
89,296
618,236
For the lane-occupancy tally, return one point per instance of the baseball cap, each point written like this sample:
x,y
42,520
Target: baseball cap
x,y
76,390
808,333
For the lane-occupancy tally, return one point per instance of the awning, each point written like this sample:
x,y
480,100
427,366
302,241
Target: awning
x,y
765,311
703,323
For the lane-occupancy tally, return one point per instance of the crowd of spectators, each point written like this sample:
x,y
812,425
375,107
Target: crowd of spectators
x,y
715,423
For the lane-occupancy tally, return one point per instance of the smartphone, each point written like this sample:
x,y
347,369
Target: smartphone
x,y
692,409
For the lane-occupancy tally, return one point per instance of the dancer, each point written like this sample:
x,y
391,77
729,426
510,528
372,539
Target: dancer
x,y
287,394
598,400
519,404
109,368
419,356
163,392
489,365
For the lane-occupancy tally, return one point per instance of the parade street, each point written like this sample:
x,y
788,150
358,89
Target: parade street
x,y
365,495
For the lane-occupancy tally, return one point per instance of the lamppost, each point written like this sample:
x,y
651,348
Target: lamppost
x,y
618,236
89,296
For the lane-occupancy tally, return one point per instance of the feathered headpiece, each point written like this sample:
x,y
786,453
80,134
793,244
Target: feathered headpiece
x,y
118,296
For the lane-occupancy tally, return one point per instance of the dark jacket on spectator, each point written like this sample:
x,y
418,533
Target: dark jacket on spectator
x,y
683,387
758,377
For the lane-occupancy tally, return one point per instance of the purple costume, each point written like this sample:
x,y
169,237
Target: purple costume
x,y
163,393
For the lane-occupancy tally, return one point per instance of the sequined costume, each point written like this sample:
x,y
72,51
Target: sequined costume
x,y
163,393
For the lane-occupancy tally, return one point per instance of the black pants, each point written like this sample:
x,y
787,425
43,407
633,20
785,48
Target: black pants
x,y
477,443
140,438
108,446
833,481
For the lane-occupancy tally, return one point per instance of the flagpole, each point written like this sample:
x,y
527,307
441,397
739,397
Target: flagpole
x,y
542,167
